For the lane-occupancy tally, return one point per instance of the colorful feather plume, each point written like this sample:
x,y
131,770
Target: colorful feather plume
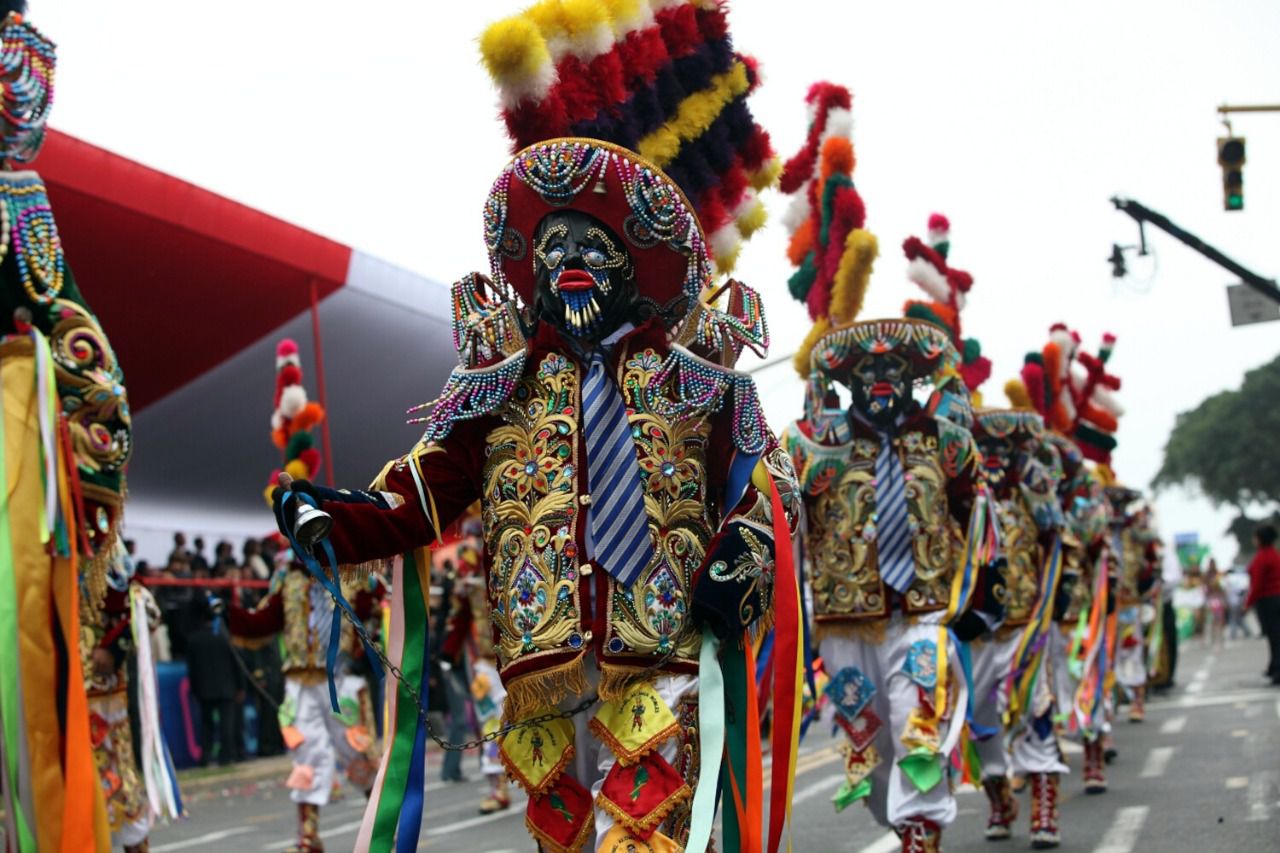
x,y
659,77
1098,411
946,288
831,250
293,418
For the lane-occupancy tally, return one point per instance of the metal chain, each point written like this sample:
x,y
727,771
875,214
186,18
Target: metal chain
x,y
504,730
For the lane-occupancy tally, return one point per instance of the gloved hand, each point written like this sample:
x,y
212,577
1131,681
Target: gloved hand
x,y
968,626
286,511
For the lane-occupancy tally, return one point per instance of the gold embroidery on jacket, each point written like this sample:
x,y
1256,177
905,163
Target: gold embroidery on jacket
x,y
1019,586
652,617
839,492
529,513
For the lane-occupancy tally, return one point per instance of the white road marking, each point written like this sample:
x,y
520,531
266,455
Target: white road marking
x,y
1278,707
1173,725
1070,747
202,840
1235,783
1259,790
1195,687
1124,830
817,788
887,843
516,810
1157,761
331,832
1239,732
1214,699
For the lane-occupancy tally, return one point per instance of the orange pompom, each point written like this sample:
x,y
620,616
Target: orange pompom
x,y
311,414
280,437
801,243
837,157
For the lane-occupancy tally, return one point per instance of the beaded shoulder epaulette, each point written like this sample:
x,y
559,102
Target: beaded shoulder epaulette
x,y
491,356
700,367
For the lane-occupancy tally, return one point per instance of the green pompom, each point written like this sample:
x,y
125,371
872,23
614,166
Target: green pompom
x,y
1034,358
299,442
972,350
802,279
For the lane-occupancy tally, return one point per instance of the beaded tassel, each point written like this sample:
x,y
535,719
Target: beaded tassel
x,y
26,87
470,394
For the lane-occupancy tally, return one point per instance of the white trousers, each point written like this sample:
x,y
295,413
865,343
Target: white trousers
x,y
992,657
894,798
1131,654
488,705
324,745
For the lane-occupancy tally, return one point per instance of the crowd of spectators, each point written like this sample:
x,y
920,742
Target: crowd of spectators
x,y
236,687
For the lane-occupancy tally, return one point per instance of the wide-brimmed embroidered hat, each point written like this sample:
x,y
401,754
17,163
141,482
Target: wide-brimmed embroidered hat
x,y
634,198
927,348
1018,425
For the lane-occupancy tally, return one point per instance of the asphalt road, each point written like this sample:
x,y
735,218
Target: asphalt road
x,y
1201,774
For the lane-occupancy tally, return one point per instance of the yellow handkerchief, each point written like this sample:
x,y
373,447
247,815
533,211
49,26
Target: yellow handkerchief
x,y
536,755
619,840
634,724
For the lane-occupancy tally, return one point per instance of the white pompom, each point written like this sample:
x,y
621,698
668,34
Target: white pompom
x,y
293,400
277,421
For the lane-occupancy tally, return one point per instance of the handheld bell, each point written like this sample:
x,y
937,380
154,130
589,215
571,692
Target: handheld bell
x,y
311,525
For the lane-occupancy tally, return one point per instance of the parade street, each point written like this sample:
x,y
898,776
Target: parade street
x,y
1202,773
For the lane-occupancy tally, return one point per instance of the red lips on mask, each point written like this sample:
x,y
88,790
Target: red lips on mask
x,y
883,389
575,280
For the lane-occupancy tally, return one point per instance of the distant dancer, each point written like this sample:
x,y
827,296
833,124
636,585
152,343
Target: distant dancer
x,y
1264,594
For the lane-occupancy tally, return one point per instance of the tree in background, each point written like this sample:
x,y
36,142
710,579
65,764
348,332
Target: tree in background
x,y
1227,447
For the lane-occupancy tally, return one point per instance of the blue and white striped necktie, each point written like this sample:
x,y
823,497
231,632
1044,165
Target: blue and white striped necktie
x,y
619,523
893,532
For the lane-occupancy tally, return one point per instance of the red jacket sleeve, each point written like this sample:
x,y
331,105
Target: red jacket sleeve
x,y
429,488
264,621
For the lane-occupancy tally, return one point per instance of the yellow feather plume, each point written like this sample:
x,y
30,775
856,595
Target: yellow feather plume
x,y
1017,394
852,275
752,220
767,175
514,51
801,359
694,116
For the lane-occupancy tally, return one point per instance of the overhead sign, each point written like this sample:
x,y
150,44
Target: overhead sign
x,y
1249,306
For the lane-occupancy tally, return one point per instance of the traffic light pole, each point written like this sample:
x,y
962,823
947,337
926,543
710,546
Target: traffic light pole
x,y
1267,287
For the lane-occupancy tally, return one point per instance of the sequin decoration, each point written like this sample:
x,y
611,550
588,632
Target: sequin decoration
x,y
30,231
27,61
559,170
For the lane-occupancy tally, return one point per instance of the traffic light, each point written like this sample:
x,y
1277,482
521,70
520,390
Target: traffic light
x,y
1231,159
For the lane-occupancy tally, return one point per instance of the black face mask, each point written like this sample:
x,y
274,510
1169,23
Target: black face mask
x,y
998,459
585,280
880,385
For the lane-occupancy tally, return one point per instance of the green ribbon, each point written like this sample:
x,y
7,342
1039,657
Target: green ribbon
x,y
734,667
406,722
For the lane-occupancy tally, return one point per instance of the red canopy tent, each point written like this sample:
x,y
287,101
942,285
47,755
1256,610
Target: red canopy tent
x,y
194,290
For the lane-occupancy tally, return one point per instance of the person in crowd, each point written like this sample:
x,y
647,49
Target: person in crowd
x,y
216,682
1215,605
451,674
180,550
1264,594
175,602
197,559
1237,586
255,567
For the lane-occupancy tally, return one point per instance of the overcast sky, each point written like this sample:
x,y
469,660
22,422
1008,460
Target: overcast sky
x,y
374,123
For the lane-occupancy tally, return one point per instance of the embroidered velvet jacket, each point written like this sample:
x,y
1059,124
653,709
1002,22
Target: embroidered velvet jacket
x,y
940,461
300,609
551,600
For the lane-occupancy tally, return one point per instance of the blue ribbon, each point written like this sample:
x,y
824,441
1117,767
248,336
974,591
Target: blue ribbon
x,y
340,603
965,655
